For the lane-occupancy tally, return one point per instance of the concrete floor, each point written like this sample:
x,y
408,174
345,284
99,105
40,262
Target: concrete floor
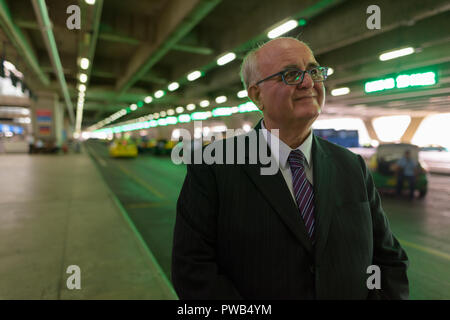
x,y
148,188
57,211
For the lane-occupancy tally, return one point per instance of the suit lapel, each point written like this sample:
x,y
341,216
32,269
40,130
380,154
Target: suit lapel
x,y
275,190
324,175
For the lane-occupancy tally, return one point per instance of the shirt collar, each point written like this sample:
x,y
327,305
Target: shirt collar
x,y
285,150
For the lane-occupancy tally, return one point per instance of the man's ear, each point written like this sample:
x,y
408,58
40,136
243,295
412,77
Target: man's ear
x,y
254,95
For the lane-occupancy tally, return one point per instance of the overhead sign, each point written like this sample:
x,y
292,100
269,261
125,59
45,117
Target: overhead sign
x,y
44,115
44,121
11,128
401,81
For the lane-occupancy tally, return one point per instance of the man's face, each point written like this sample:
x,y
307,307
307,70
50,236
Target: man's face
x,y
288,105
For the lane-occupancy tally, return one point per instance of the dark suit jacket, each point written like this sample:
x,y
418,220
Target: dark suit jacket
x,y
239,234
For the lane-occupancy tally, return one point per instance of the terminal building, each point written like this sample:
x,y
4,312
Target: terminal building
x,y
96,96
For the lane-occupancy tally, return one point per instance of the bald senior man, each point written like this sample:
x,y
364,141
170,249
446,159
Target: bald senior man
x,y
313,230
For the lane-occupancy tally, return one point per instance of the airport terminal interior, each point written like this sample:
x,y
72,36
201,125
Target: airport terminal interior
x,y
96,96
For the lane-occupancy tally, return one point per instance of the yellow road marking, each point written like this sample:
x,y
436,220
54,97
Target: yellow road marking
x,y
134,177
425,249
140,181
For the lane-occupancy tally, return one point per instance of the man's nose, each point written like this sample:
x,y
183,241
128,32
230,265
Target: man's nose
x,y
307,82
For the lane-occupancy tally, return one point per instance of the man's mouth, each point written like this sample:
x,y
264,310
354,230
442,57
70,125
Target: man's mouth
x,y
305,97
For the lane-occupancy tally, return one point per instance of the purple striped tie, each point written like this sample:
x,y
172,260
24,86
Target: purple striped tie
x,y
303,191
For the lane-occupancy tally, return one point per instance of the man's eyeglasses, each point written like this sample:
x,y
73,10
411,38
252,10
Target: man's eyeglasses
x,y
294,76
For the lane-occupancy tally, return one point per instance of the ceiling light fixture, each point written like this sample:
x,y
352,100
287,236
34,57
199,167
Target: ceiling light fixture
x,y
221,99
242,94
159,94
340,91
84,63
282,29
228,57
396,53
83,77
194,75
204,103
173,86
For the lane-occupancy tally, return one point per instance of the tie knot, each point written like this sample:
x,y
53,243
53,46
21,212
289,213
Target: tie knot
x,y
296,159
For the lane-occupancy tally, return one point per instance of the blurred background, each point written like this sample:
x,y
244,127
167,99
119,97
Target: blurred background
x,y
93,94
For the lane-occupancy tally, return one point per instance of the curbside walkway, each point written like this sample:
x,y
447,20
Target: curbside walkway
x,y
56,211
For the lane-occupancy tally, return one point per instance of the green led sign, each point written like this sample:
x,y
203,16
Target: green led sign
x,y
401,81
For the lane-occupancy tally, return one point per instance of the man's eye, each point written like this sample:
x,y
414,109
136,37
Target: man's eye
x,y
314,71
291,74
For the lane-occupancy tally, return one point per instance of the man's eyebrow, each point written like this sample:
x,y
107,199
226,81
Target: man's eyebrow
x,y
291,66
312,64
294,66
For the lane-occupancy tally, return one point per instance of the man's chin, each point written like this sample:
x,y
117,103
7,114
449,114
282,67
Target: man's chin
x,y
309,110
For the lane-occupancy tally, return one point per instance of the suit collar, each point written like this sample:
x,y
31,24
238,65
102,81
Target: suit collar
x,y
285,150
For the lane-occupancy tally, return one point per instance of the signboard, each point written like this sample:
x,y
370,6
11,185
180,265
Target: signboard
x,y
44,122
11,128
401,81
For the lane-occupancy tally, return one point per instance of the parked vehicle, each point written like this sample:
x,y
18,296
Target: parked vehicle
x,y
123,148
384,168
164,147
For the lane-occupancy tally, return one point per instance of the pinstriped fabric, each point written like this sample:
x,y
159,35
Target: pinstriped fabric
x,y
303,191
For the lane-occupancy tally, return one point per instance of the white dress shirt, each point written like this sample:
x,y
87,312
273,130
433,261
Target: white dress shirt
x,y
282,158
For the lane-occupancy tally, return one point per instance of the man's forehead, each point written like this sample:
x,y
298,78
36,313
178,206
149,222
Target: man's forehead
x,y
286,53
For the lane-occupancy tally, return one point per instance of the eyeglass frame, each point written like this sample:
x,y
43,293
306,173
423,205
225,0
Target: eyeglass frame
x,y
291,69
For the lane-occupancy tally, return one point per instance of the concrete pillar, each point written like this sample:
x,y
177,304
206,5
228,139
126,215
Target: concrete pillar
x,y
370,129
47,118
411,130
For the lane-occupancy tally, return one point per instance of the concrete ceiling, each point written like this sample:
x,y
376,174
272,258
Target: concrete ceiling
x,y
144,45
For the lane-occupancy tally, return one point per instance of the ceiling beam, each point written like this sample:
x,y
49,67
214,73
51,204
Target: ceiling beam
x,y
348,60
347,23
86,47
20,43
177,19
244,31
40,9
424,34
114,37
378,69
26,24
193,49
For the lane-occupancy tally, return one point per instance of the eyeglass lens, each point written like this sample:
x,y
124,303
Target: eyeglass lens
x,y
296,76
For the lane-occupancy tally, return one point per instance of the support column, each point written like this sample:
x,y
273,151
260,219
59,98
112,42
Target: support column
x,y
47,118
411,130
370,129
